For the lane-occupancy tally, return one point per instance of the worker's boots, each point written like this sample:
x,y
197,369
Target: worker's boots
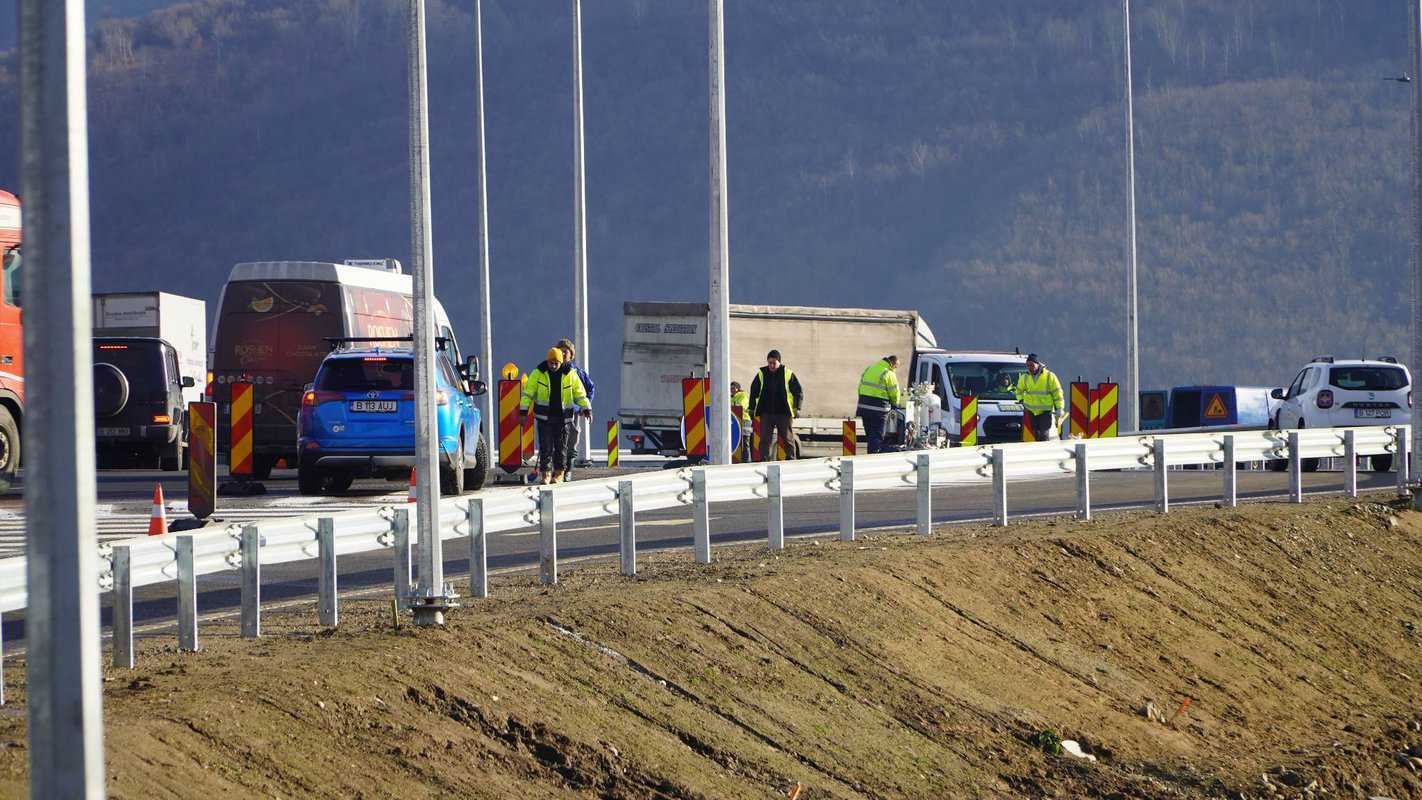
x,y
558,476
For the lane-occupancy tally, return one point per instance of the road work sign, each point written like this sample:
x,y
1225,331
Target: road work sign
x,y
1216,409
202,459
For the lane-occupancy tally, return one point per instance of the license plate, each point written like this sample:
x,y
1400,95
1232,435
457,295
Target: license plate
x,y
1010,408
373,405
1372,413
114,431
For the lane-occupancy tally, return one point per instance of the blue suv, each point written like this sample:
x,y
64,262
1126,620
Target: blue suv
x,y
357,420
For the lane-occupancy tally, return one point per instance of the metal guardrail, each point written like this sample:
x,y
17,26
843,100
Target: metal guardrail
x,y
181,558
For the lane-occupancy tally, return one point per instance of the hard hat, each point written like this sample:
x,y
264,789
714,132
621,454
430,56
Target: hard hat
x,y
509,372
555,355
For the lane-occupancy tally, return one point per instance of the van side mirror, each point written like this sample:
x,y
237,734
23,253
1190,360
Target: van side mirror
x,y
471,369
188,382
477,388
1277,394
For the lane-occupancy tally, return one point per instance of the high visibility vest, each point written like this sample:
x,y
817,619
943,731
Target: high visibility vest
x,y
538,391
741,400
1039,393
880,383
760,387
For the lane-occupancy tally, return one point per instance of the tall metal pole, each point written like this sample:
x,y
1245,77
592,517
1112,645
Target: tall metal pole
x,y
1131,418
580,224
1415,34
429,590
486,315
718,330
64,705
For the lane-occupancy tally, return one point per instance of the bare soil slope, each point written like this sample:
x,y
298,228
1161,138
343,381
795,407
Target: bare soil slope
x,y
889,667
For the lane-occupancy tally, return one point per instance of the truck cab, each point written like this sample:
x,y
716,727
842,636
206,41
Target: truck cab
x,y
988,375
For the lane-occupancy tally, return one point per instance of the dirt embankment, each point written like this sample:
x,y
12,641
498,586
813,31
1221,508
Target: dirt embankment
x,y
891,667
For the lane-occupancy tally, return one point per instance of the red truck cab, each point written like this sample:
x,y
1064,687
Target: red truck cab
x,y
12,358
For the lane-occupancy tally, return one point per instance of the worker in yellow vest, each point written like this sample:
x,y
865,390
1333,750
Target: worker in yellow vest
x,y
741,400
878,394
1040,393
775,397
554,395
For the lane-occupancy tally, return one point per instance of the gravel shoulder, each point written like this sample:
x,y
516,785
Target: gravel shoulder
x,y
1267,651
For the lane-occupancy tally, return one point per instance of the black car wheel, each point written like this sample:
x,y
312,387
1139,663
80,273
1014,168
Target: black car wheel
x,y
1381,463
451,481
474,478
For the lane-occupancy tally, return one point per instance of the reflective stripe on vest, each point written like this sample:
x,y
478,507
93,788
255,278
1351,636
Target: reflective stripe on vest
x,y
760,387
879,382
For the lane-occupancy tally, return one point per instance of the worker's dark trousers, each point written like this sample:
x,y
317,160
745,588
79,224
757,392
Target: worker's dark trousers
x,y
571,447
553,444
1041,423
772,425
873,427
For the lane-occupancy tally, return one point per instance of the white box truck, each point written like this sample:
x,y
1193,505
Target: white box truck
x,y
180,321
828,349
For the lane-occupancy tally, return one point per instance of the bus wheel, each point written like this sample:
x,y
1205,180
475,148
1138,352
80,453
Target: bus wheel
x,y
9,449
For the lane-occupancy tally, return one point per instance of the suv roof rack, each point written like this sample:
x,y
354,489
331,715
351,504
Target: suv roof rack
x,y
1388,359
1322,360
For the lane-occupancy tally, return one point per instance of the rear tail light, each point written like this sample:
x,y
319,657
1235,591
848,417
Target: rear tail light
x,y
162,419
1325,399
317,398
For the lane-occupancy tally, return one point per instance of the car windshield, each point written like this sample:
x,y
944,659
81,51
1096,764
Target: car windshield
x,y
372,373
1368,379
992,381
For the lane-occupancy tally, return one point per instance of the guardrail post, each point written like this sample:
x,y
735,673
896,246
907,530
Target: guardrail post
x,y
547,538
1083,484
925,496
701,518
251,582
1295,469
627,527
846,500
187,595
327,612
401,526
1162,487
999,488
1400,461
1350,463
2,668
1231,476
776,523
478,549
123,608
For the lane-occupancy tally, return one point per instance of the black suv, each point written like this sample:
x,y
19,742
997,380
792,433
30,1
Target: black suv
x,y
138,403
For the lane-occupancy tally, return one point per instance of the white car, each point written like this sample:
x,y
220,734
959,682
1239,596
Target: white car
x,y
1335,393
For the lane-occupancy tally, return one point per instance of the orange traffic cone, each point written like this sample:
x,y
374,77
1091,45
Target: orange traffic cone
x,y
158,521
412,485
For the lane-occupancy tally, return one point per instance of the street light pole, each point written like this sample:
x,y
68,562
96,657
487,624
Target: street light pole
x,y
719,316
1131,418
1415,35
486,315
430,600
64,708
580,225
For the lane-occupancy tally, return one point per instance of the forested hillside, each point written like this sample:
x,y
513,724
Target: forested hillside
x,y
963,157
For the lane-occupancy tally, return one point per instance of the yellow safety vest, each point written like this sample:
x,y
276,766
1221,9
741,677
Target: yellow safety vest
x,y
789,398
538,390
880,383
1039,393
741,400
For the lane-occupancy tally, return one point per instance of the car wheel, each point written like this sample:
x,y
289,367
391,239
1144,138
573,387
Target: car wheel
x,y
9,449
173,461
451,481
474,478
1381,463
338,482
310,479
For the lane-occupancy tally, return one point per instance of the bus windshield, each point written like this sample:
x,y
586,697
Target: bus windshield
x,y
987,380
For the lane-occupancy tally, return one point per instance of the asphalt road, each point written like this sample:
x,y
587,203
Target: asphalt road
x,y
730,523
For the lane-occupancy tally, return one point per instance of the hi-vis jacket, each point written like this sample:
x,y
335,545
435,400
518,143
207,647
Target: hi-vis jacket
x,y
538,391
766,398
879,387
1039,393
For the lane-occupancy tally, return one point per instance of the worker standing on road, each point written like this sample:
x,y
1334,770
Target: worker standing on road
x,y
554,395
775,397
878,394
570,357
1040,393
